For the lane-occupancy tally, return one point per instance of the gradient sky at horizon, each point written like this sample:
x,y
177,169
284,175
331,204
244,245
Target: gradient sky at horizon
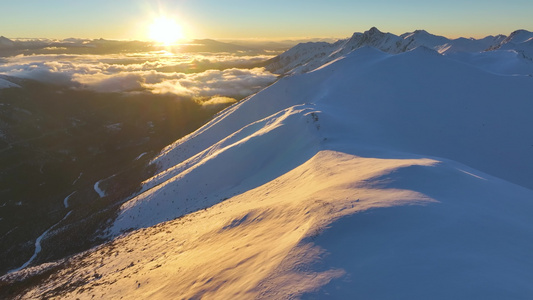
x,y
274,19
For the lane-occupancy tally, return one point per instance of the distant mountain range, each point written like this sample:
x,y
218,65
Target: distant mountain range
x,y
102,46
309,56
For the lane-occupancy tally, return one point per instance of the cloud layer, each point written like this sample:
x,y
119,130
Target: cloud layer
x,y
192,75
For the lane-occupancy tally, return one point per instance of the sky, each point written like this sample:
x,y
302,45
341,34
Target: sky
x,y
250,19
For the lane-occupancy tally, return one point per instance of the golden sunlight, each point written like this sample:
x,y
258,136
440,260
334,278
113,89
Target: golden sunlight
x,y
165,31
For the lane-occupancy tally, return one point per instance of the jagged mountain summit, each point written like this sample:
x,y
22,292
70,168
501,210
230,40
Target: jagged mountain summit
x,y
309,56
376,175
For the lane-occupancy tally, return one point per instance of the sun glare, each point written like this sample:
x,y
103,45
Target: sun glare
x,y
165,31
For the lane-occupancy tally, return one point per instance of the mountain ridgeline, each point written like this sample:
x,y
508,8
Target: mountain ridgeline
x,y
379,167
309,56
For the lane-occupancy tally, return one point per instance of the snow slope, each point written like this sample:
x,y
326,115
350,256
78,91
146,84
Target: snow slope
x,y
460,113
506,62
376,176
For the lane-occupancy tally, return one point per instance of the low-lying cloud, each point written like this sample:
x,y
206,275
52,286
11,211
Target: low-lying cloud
x,y
216,101
229,82
191,75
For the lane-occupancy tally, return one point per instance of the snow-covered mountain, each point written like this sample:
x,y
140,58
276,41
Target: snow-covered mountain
x,y
518,37
520,41
460,124
306,57
377,176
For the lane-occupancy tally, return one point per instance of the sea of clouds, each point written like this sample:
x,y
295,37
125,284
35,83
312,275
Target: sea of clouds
x,y
190,75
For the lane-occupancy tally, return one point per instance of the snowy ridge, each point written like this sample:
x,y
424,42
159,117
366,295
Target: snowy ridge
x,y
452,119
200,186
309,56
411,170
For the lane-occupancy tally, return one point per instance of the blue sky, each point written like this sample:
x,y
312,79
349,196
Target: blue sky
x,y
128,19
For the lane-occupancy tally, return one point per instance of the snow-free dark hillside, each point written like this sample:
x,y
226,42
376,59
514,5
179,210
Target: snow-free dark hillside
x,y
374,176
68,159
5,42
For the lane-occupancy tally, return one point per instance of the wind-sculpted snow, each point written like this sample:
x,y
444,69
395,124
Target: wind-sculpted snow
x,y
250,246
237,163
375,176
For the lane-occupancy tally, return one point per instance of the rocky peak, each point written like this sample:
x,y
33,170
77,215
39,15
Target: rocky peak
x,y
518,36
373,31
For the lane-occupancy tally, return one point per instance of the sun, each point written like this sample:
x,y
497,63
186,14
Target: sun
x,y
165,31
